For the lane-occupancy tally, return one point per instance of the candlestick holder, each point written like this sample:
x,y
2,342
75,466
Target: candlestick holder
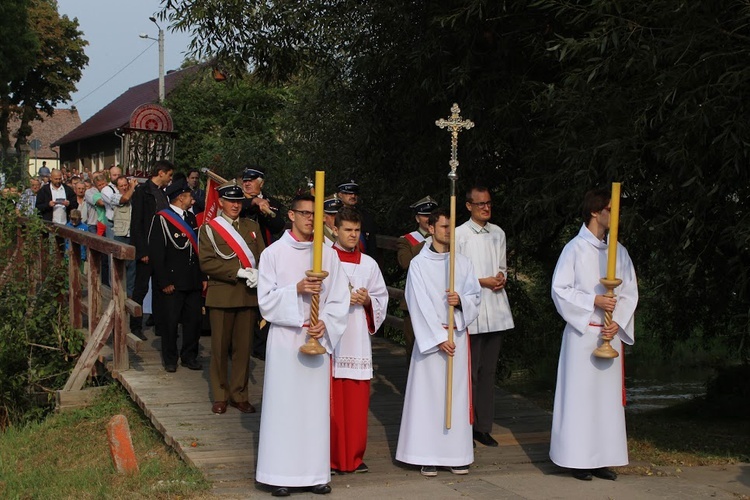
x,y
605,350
312,347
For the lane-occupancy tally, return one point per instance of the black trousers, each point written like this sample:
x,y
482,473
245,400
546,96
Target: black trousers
x,y
485,351
143,273
180,306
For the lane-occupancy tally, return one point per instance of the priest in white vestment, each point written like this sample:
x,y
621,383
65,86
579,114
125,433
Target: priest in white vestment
x,y
588,423
294,441
352,357
423,439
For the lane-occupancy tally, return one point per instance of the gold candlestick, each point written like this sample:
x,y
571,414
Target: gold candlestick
x,y
605,350
312,346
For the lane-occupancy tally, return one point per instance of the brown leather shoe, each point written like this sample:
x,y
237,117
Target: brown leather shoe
x,y
243,406
219,407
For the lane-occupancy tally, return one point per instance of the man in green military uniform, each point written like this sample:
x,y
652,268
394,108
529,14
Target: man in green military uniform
x,y
230,249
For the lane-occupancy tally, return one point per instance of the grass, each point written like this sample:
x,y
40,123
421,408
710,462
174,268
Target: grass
x,y
67,456
698,432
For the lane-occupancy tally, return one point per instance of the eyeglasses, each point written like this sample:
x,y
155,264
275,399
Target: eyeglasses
x,y
481,204
304,213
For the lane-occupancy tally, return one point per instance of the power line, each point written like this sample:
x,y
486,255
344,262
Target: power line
x,y
111,77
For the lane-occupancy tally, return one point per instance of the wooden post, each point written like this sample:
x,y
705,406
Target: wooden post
x,y
94,293
74,289
119,292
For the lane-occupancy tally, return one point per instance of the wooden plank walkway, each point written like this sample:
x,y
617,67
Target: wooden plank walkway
x,y
224,447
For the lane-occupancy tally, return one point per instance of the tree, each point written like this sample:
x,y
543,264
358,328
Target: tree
x,y
56,66
565,95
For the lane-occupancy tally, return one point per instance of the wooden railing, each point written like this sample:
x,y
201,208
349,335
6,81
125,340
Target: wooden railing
x,y
106,308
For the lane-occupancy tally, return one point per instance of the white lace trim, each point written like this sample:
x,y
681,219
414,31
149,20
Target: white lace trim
x,y
352,363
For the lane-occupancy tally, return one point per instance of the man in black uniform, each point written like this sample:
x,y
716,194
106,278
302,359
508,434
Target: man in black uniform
x,y
264,210
267,212
148,198
173,253
348,192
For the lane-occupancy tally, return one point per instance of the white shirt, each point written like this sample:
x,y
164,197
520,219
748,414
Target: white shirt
x,y
485,248
59,214
111,198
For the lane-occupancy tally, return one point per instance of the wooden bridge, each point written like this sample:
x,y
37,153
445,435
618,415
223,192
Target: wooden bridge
x,y
224,447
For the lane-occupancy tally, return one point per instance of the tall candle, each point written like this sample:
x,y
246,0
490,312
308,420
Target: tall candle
x,y
614,221
320,181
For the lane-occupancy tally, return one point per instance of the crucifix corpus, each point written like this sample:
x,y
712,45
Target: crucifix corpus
x,y
454,124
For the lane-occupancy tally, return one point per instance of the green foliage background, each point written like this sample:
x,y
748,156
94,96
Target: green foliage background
x,y
37,347
565,96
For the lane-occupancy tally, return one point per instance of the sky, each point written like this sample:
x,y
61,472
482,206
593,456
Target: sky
x,y
118,58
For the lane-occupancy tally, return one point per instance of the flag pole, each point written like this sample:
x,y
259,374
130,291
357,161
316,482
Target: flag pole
x,y
454,124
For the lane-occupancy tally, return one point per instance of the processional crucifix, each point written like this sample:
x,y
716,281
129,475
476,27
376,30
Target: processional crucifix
x,y
454,124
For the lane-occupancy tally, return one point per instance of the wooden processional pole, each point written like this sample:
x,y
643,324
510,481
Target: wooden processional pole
x,y
454,124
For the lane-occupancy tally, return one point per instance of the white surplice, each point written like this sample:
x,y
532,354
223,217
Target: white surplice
x,y
352,357
423,438
485,248
588,423
294,443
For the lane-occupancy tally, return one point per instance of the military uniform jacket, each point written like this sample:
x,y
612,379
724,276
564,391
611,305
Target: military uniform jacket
x,y
172,256
221,264
271,228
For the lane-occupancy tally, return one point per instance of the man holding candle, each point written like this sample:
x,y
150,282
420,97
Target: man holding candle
x,y
294,443
588,423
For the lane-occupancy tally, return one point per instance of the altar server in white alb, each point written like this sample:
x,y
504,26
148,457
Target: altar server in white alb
x,y
484,244
352,357
294,444
423,439
588,423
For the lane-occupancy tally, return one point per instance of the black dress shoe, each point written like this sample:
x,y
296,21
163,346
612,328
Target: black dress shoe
x,y
139,334
605,473
321,489
170,368
485,438
582,474
280,492
192,364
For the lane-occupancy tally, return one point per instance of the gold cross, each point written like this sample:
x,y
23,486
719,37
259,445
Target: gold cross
x,y
454,124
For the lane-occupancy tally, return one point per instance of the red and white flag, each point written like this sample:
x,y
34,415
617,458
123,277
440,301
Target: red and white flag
x,y
212,203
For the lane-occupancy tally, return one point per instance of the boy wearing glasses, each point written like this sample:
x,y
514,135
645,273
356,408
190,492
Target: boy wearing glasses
x,y
484,244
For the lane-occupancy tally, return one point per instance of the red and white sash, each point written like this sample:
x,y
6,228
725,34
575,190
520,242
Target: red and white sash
x,y
235,241
414,238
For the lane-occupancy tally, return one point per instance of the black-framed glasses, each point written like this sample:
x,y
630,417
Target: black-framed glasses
x,y
304,213
481,204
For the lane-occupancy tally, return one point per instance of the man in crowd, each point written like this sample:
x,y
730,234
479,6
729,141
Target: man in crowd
x,y
230,247
111,198
148,198
92,196
352,357
173,252
588,422
423,439
55,200
483,243
199,195
348,192
409,245
44,173
26,205
121,224
296,391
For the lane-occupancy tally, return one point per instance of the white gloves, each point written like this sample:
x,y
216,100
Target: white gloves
x,y
250,275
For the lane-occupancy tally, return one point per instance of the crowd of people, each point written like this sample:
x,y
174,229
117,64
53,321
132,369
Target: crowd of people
x,y
250,267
